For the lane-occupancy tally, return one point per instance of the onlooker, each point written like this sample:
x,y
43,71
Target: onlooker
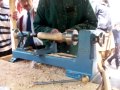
x,y
102,11
116,55
5,37
25,22
59,15
104,23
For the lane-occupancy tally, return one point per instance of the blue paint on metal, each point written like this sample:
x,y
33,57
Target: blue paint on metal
x,y
76,67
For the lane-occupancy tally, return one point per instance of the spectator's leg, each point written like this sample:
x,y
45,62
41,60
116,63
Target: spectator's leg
x,y
111,58
118,55
117,62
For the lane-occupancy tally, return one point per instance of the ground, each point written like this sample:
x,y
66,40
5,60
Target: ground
x,y
21,75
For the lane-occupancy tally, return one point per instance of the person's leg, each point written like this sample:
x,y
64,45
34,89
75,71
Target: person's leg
x,y
111,58
117,55
117,62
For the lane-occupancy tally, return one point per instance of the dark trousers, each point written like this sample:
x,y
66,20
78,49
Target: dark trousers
x,y
115,56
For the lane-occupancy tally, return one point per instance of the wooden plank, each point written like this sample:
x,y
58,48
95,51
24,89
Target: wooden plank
x,y
13,24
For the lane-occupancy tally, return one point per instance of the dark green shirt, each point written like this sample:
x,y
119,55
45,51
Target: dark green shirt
x,y
64,14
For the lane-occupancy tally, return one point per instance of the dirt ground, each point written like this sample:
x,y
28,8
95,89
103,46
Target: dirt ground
x,y
21,75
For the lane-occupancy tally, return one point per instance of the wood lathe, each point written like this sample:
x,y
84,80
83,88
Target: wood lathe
x,y
90,44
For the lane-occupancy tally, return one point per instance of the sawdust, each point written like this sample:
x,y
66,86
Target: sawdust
x,y
21,76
